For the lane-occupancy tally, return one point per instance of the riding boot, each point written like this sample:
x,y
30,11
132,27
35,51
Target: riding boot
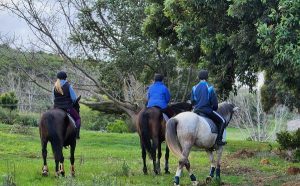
x,y
219,141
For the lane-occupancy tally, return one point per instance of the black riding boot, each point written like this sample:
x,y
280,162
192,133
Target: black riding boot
x,y
220,135
77,133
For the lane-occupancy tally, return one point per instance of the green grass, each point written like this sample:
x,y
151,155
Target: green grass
x,y
106,159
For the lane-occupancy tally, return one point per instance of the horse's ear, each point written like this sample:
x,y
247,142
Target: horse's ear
x,y
79,97
235,109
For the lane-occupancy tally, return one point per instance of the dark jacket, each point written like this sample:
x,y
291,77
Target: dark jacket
x,y
204,98
63,101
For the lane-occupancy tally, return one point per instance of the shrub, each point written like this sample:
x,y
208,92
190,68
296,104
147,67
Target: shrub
x,y
9,100
95,120
291,142
27,119
7,116
119,126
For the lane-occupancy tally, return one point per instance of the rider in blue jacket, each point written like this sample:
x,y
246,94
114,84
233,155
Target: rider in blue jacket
x,y
205,101
159,96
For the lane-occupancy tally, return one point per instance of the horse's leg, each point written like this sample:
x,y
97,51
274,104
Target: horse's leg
x,y
44,154
219,155
167,160
144,158
61,166
158,157
184,162
72,158
153,153
57,150
212,166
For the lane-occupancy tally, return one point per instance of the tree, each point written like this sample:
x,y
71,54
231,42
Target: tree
x,y
103,44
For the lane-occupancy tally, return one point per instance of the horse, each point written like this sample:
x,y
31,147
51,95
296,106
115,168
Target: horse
x,y
188,129
151,128
59,128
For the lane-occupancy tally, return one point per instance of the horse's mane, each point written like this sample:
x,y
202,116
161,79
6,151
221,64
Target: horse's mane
x,y
181,106
224,108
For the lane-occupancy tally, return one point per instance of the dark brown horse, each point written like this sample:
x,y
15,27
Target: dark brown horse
x,y
56,127
151,128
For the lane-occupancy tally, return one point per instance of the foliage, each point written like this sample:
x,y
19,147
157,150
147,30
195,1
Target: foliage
x,y
28,119
9,100
291,142
118,126
94,120
7,116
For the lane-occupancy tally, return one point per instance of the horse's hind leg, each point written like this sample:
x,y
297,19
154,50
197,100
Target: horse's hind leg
x,y
44,154
186,148
153,154
212,166
218,170
144,159
158,157
72,158
167,160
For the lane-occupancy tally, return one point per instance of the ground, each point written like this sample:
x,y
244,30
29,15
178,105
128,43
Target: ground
x,y
115,159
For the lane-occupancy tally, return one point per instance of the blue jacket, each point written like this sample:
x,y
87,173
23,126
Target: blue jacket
x,y
158,95
204,98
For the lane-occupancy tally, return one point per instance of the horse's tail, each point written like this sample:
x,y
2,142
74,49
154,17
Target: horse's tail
x,y
172,139
145,135
52,135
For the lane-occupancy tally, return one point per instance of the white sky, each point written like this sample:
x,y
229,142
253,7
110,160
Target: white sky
x,y
12,26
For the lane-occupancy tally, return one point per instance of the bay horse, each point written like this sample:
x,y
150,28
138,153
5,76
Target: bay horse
x,y
57,127
151,128
188,129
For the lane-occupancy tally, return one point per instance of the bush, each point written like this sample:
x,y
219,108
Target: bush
x,y
7,116
27,119
291,142
119,126
9,100
95,120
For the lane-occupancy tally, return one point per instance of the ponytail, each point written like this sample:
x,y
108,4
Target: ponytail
x,y
57,87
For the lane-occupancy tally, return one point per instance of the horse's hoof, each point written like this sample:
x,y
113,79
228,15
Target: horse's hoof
x,y
175,184
208,179
45,173
57,174
156,172
62,173
73,173
167,172
195,183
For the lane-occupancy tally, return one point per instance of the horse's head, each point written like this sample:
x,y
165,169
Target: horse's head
x,y
227,110
76,104
181,107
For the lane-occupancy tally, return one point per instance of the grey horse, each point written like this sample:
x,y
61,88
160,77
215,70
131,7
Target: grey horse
x,y
188,129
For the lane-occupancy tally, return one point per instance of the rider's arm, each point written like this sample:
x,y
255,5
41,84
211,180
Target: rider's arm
x,y
72,94
213,99
167,95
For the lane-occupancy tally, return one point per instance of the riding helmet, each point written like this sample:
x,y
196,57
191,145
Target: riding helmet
x,y
158,77
203,75
61,75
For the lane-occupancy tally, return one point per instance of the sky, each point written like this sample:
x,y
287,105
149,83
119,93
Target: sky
x,y
12,26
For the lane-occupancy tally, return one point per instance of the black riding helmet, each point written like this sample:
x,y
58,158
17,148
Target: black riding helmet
x,y
203,75
62,75
158,77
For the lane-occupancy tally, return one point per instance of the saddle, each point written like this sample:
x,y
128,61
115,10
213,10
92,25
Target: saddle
x,y
213,126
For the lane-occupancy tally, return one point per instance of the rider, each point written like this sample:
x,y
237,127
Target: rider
x,y
159,95
65,97
205,101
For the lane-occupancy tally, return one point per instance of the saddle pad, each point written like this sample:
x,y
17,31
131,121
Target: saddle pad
x,y
213,127
71,120
166,118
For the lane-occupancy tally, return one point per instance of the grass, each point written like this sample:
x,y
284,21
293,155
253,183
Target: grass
x,y
115,159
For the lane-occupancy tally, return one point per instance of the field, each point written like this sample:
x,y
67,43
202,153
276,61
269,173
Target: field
x,y
115,159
